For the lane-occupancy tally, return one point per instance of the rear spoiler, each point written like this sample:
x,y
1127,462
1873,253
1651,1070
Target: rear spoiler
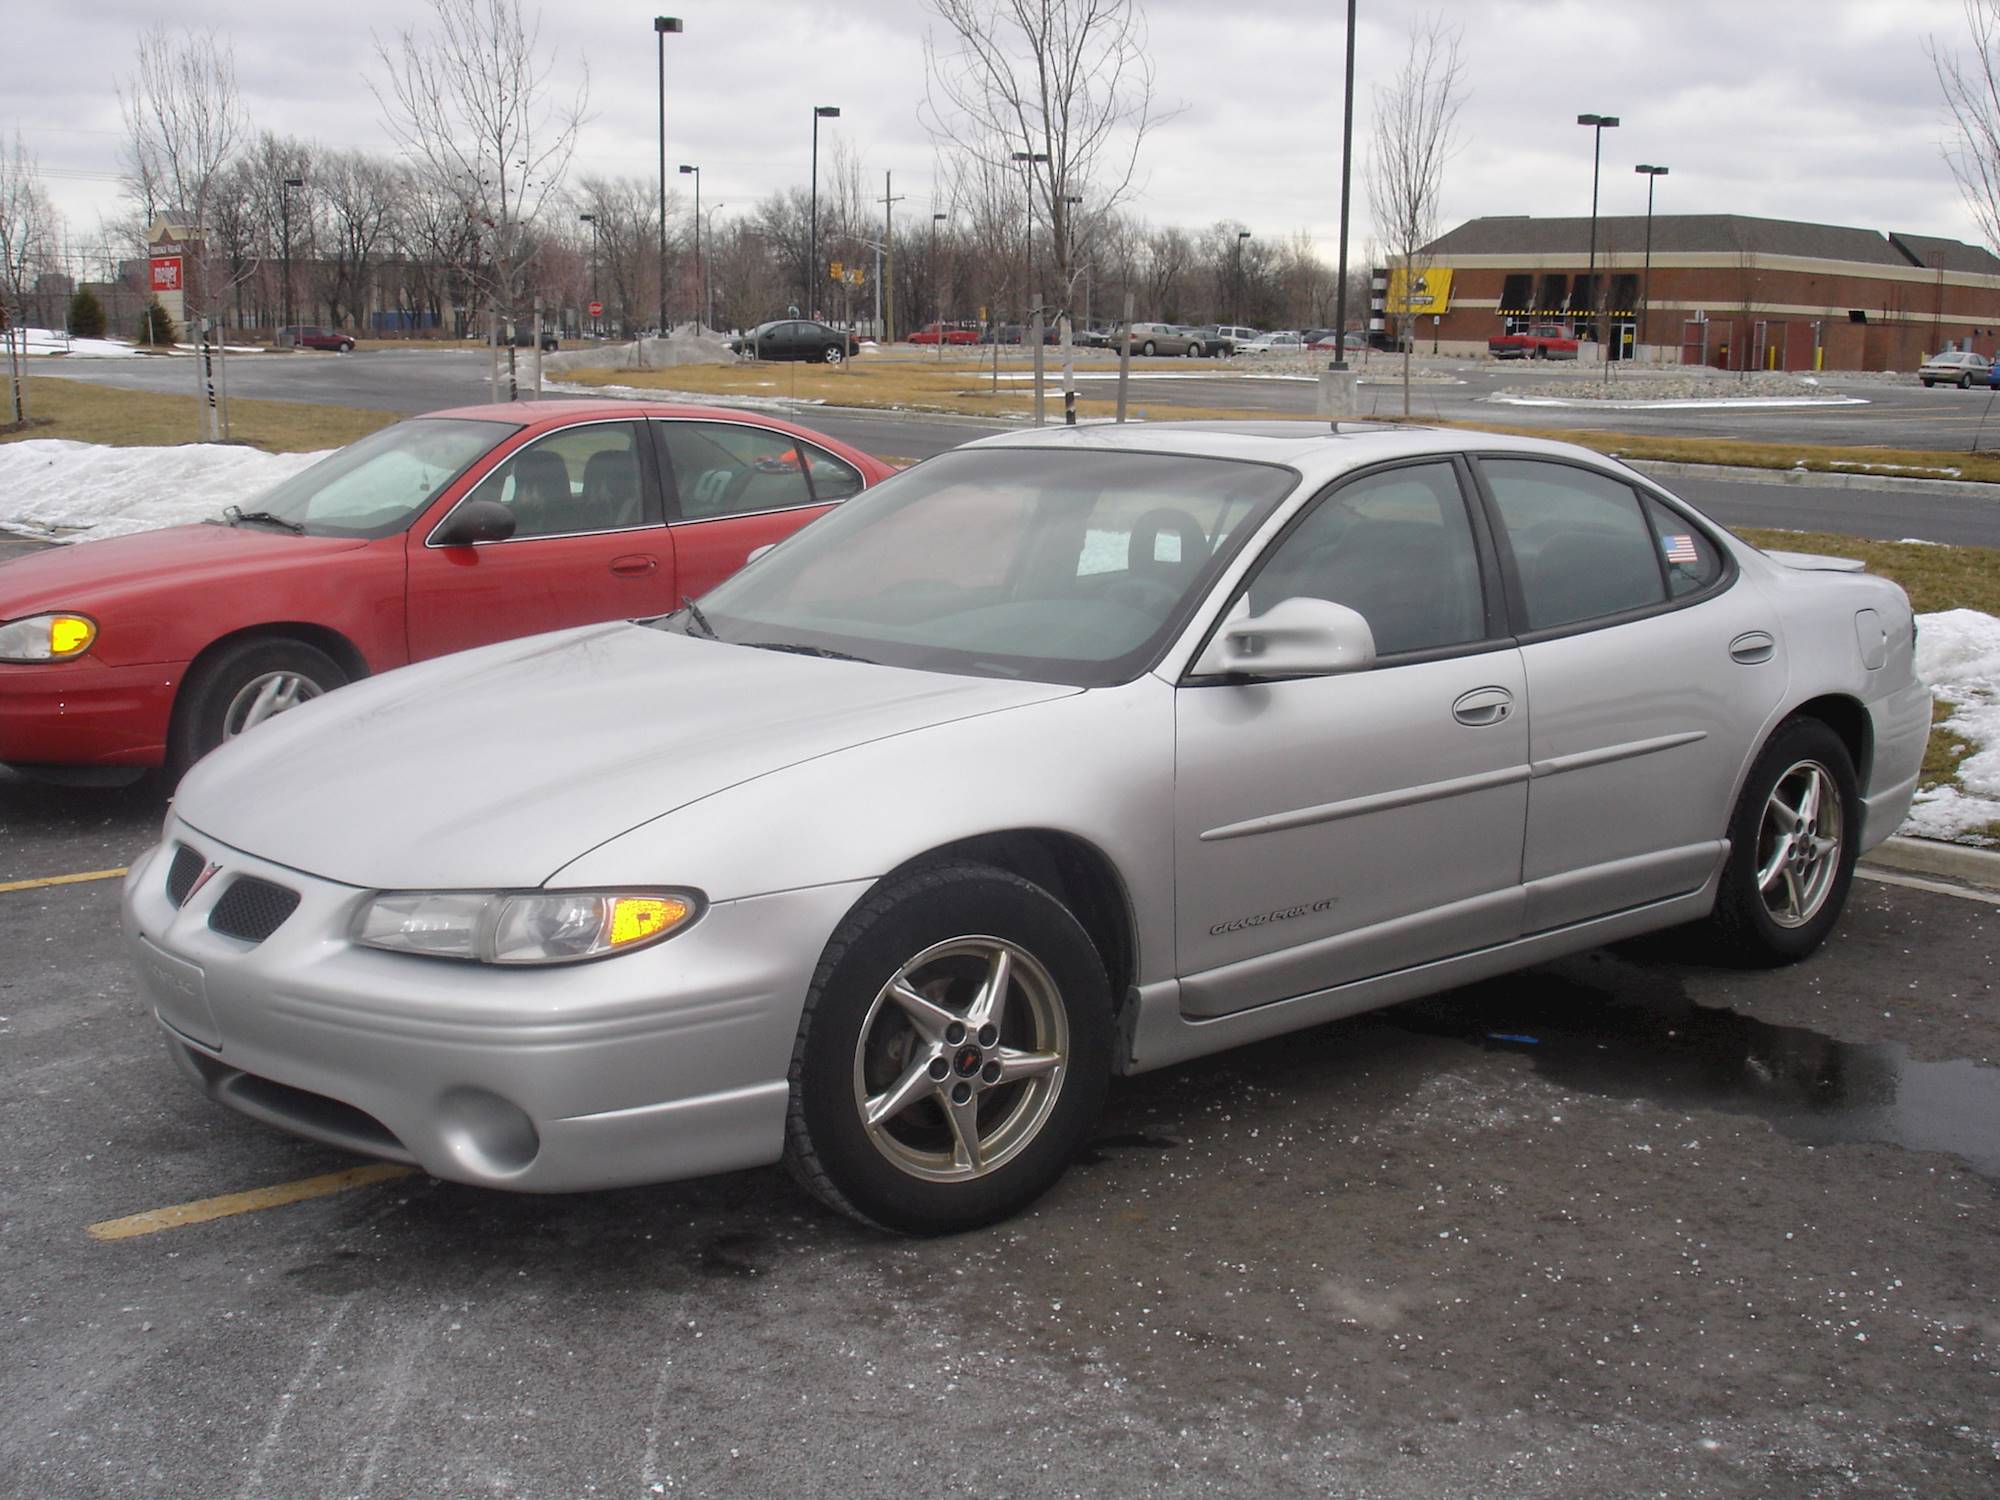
x,y
1812,562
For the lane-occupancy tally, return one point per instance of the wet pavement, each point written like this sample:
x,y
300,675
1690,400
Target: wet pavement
x,y
1626,1224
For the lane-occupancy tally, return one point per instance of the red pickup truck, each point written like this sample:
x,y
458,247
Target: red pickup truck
x,y
1548,342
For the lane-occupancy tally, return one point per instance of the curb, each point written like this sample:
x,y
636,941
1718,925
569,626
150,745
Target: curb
x,y
1818,479
1980,867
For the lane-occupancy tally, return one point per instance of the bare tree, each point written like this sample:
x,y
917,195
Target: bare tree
x,y
1970,81
28,233
471,100
1065,86
1415,134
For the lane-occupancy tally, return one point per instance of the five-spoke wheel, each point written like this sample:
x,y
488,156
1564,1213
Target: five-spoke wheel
x,y
1792,842
953,1052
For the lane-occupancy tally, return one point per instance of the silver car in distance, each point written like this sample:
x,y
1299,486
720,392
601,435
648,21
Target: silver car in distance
x,y
1068,753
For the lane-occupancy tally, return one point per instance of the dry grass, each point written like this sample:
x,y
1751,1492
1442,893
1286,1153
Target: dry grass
x,y
88,413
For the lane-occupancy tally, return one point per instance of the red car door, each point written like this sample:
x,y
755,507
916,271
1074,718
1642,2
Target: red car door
x,y
588,545
731,487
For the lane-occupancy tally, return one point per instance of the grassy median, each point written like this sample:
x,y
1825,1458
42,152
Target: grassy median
x,y
87,413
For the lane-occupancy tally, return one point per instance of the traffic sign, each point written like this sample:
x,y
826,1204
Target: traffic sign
x,y
597,309
836,270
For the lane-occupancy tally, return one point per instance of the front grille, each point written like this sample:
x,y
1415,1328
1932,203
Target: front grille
x,y
252,909
182,873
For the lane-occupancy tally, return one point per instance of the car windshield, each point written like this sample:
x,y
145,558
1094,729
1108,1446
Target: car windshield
x,y
374,487
1064,567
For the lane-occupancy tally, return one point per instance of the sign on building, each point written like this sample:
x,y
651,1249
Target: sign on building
x,y
1420,292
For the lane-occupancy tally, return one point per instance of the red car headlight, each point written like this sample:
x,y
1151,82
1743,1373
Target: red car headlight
x,y
58,636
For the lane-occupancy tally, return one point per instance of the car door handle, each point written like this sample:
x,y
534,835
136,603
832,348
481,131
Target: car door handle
x,y
635,565
1482,706
1752,647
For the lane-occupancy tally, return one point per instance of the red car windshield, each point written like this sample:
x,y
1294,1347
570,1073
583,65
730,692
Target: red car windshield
x,y
376,486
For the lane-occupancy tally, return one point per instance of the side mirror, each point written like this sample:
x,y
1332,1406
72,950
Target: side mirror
x,y
1297,637
475,521
757,552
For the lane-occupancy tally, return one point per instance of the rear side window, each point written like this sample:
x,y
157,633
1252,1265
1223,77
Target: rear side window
x,y
1584,548
727,469
1691,559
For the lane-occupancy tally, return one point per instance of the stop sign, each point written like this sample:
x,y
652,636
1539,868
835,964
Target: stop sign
x,y
597,309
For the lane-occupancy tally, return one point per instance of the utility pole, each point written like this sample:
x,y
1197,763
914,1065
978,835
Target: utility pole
x,y
889,202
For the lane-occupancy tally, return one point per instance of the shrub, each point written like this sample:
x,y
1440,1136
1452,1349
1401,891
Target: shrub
x,y
155,327
86,315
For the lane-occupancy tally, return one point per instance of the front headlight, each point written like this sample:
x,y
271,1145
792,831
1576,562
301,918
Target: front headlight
x,y
50,637
529,927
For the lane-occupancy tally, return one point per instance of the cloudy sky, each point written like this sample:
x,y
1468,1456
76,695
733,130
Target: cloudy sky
x,y
1824,110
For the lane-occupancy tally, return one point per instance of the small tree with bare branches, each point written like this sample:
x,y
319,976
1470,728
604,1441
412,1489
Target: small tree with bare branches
x,y
1415,135
1970,81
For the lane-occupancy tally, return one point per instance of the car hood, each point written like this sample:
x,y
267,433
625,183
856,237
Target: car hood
x,y
176,557
496,767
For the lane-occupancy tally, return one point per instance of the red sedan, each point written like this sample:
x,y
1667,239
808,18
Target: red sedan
x,y
444,532
949,333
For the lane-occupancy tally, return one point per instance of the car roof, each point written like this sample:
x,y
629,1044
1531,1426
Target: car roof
x,y
1318,449
539,414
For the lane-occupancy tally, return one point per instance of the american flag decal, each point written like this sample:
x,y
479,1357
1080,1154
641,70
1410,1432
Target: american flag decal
x,y
1680,549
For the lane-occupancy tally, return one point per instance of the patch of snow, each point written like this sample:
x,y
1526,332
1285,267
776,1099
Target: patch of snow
x,y
1958,654
1701,403
1925,471
82,491
53,341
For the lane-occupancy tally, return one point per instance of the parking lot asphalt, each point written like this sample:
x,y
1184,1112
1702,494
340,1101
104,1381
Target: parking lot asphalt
x,y
1624,1225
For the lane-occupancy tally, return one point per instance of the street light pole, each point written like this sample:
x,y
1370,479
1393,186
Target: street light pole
x,y
591,220
1346,176
661,26
685,169
285,214
708,272
937,286
1241,236
820,112
1646,293
1599,124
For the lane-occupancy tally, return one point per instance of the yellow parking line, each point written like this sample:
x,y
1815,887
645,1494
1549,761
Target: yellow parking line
x,y
204,1209
29,885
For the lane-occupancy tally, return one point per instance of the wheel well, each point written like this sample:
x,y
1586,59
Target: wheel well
x,y
1848,719
1076,873
332,642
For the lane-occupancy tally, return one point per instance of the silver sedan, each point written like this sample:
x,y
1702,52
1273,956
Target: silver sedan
x,y
1066,754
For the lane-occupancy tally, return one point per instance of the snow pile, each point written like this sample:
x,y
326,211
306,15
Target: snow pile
x,y
83,491
52,341
686,347
1958,654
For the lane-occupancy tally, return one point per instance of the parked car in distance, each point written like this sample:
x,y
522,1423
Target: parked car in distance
x,y
522,336
1164,338
1227,338
799,338
1541,341
948,333
1070,752
1274,343
439,533
312,336
1961,368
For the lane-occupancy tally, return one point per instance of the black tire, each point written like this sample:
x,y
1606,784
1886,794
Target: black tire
x,y
219,694
1147,347
1810,887
1965,382
938,932
1194,351
832,354
1928,384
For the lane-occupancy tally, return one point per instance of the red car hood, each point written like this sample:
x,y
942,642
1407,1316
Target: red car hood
x,y
88,575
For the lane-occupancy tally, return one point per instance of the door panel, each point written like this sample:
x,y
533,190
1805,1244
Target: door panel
x,y
588,546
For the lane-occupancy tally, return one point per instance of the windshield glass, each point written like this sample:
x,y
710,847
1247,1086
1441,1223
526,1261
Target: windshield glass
x,y
378,485
1018,562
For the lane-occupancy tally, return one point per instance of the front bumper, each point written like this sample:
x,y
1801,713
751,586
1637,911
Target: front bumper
x,y
664,1063
84,712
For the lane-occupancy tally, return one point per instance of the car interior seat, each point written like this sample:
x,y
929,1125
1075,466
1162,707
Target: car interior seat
x,y
542,501
1579,575
611,490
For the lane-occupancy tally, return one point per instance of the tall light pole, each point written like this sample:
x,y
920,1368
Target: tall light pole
x,y
285,214
708,272
1599,124
661,26
1346,176
820,112
591,220
1646,291
1241,236
937,285
685,169
1029,160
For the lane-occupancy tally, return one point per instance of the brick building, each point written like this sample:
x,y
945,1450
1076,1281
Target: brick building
x,y
1725,290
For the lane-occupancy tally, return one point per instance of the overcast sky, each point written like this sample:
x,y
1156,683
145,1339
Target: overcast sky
x,y
1824,110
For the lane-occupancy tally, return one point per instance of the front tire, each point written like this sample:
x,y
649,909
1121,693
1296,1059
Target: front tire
x,y
238,688
1793,839
953,1053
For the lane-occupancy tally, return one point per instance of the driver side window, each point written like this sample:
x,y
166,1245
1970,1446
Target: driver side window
x,y
1394,546
581,480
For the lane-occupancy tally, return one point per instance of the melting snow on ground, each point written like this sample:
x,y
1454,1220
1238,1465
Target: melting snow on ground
x,y
81,491
54,341
1958,654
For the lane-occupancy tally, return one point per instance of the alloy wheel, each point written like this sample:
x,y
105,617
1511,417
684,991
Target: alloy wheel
x,y
264,696
1799,844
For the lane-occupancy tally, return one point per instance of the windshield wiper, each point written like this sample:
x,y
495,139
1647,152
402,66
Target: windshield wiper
x,y
700,621
236,515
798,649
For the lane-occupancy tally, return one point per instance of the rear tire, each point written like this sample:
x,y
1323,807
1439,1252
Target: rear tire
x,y
918,1103
1793,839
1147,347
239,687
